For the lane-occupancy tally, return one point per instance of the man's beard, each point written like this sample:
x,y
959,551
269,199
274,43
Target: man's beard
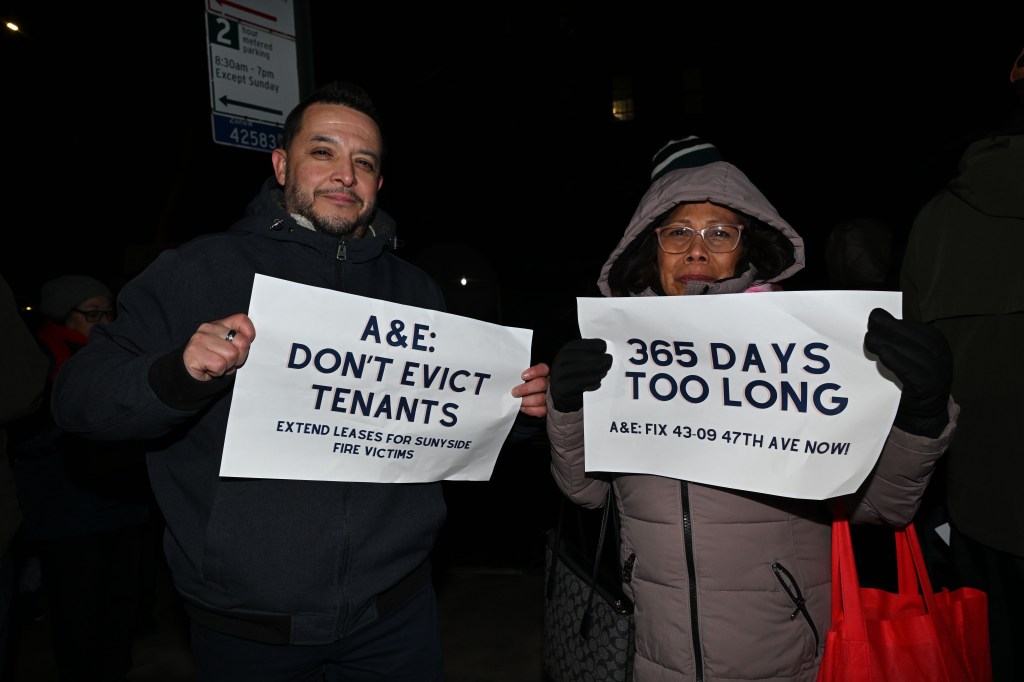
x,y
338,227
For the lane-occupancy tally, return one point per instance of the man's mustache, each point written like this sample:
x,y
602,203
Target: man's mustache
x,y
340,190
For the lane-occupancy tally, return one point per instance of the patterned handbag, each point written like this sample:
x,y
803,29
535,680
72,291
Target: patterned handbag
x,y
588,619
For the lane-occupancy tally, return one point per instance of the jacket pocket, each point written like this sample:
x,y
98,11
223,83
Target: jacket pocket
x,y
792,589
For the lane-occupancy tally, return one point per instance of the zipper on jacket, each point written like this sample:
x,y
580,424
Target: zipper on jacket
x,y
789,584
276,226
691,577
342,254
627,567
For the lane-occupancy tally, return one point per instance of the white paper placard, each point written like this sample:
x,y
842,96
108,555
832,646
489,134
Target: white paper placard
x,y
767,392
340,387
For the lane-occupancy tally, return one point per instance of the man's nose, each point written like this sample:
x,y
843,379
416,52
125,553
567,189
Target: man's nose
x,y
344,173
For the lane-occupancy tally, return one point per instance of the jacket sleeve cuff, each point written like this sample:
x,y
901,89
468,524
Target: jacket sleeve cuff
x,y
525,427
927,427
176,388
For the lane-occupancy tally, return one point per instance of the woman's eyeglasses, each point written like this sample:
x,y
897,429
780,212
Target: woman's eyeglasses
x,y
717,238
95,315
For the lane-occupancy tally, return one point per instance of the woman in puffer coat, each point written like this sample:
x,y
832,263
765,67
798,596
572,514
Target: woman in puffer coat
x,y
732,585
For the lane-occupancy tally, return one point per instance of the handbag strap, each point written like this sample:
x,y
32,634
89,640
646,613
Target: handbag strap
x,y
846,604
556,549
556,552
586,620
912,573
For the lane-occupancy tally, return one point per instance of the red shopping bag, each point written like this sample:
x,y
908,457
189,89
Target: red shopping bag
x,y
915,635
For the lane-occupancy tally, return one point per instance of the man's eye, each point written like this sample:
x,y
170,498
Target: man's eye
x,y
367,164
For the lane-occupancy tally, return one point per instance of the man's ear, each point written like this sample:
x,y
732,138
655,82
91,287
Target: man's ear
x,y
279,158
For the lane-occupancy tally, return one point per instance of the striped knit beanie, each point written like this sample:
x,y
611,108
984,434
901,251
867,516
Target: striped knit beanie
x,y
688,152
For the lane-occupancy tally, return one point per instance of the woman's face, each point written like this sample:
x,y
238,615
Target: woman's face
x,y
99,307
697,263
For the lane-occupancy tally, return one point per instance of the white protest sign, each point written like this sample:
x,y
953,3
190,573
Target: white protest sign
x,y
767,392
340,387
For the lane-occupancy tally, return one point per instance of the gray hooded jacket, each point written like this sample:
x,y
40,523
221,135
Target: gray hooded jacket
x,y
731,585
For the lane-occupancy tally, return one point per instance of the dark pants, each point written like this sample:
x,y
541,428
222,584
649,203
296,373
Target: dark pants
x,y
404,646
91,584
1001,576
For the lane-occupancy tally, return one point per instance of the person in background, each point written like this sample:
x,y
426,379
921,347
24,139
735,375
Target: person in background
x,y
859,254
22,383
84,503
961,276
727,584
281,579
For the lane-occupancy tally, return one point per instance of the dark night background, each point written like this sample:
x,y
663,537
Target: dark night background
x,y
505,162
498,119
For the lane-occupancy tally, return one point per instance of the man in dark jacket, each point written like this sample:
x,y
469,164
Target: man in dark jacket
x,y
282,579
961,274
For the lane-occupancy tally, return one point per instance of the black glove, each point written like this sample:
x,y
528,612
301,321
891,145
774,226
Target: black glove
x,y
921,359
579,366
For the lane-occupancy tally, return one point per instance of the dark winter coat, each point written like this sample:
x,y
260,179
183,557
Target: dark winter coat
x,y
961,273
283,561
